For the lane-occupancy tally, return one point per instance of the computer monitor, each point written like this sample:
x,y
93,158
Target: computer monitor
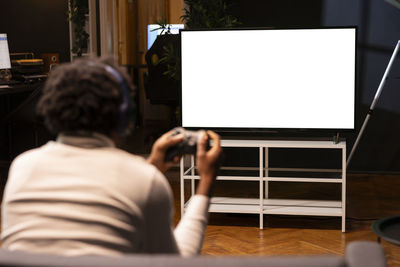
x,y
4,52
153,30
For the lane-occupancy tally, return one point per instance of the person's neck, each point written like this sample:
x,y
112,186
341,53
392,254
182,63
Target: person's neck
x,y
85,139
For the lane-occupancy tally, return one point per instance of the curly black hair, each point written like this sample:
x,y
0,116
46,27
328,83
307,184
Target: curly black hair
x,y
83,96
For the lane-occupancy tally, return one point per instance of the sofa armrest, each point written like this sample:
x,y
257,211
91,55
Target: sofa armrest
x,y
365,254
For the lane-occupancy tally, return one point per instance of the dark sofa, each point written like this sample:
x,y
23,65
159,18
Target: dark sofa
x,y
358,254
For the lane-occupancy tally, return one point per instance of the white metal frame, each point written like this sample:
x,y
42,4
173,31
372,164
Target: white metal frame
x,y
265,205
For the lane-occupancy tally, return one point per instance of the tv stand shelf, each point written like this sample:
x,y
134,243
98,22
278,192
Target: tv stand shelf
x,y
264,204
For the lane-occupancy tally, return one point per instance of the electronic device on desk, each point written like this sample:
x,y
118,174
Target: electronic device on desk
x,y
26,68
5,63
287,81
50,61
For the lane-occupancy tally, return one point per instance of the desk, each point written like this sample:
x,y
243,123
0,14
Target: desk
x,y
17,105
18,123
18,88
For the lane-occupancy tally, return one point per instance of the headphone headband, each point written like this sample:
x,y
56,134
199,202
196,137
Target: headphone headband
x,y
125,88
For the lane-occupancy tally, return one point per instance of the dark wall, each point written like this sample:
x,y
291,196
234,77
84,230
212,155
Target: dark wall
x,y
38,26
277,13
378,25
379,30
41,26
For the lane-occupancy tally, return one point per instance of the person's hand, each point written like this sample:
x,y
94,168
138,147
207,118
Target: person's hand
x,y
157,156
208,162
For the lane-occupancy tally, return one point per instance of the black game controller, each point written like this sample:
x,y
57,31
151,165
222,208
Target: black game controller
x,y
187,146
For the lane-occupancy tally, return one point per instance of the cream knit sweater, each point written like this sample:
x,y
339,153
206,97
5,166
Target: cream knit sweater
x,y
81,195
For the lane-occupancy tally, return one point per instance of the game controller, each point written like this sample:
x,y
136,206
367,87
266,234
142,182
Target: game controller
x,y
187,146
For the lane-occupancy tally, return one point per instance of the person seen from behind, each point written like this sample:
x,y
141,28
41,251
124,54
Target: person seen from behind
x,y
81,195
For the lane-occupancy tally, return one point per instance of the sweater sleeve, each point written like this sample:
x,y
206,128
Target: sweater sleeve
x,y
190,231
160,237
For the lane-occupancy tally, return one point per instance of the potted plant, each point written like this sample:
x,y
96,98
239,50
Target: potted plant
x,y
198,14
203,14
162,61
163,58
78,9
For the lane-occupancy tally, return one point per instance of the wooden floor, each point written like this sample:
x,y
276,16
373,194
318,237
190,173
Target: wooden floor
x,y
369,197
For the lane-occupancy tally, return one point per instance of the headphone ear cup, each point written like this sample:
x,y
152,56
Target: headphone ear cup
x,y
127,112
127,109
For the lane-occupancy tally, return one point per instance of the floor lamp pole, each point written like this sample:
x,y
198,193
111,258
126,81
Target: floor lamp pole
x,y
377,95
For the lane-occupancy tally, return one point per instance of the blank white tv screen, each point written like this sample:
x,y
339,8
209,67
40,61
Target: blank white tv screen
x,y
275,79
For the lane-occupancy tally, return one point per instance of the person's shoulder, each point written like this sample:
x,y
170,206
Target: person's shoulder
x,y
125,154
137,174
129,158
135,163
30,155
25,164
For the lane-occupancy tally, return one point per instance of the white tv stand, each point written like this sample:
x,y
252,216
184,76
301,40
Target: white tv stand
x,y
263,204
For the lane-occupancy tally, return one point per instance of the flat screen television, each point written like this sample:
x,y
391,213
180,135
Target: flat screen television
x,y
268,79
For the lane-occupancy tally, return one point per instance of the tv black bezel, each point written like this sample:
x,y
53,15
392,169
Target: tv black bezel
x,y
242,131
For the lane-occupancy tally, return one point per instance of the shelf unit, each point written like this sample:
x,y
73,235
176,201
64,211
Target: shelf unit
x,y
263,204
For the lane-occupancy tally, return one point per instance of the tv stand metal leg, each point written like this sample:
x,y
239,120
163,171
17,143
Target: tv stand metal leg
x,y
261,172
